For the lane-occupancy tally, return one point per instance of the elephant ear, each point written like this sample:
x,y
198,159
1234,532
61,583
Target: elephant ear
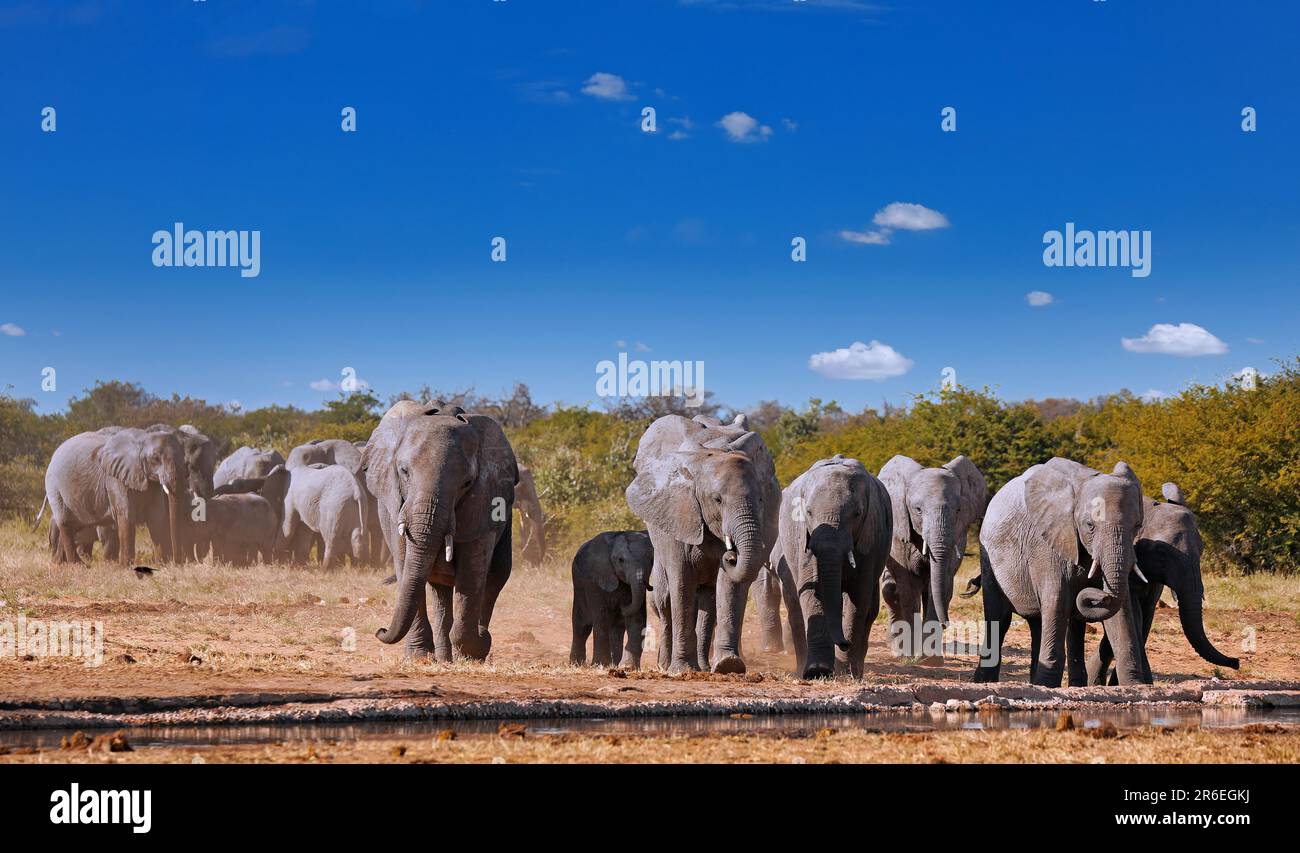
x,y
378,459
876,528
894,477
275,485
1172,493
594,563
1123,471
490,501
974,491
123,458
1049,500
663,495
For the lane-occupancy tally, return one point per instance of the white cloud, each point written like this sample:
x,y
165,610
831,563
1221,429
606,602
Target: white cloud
x,y
905,216
1185,339
742,127
607,87
1254,340
867,238
331,385
790,124
678,135
12,330
1153,395
1039,298
861,361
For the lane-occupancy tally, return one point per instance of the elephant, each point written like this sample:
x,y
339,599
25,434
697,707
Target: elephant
x,y
200,465
97,478
243,518
933,509
611,573
1039,531
835,530
1169,554
325,501
445,485
709,497
532,521
337,451
246,463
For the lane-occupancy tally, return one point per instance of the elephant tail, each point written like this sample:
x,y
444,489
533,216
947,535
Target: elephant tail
x,y
972,587
359,538
44,503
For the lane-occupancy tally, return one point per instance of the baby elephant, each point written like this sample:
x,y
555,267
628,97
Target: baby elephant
x,y
324,501
611,574
243,518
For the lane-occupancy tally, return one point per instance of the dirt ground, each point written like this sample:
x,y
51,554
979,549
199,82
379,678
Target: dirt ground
x,y
209,635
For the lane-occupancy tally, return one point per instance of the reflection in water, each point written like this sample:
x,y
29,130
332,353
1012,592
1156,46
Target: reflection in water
x,y
889,721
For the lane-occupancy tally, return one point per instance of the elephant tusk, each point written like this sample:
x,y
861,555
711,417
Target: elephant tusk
x,y
448,548
852,562
1141,576
164,487
401,529
729,544
1093,570
925,548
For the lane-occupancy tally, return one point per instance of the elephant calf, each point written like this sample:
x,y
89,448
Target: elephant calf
x,y
243,519
610,578
324,500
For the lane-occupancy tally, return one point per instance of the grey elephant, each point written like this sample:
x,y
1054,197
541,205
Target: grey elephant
x,y
445,482
240,525
611,573
246,463
933,510
200,454
98,478
324,501
337,451
1057,547
532,521
709,497
834,538
1168,551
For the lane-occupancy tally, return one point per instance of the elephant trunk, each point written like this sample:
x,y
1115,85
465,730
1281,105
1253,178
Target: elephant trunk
x,y
939,541
173,524
1113,554
425,531
1189,614
829,556
749,553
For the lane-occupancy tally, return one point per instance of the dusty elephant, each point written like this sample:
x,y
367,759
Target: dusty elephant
x,y
337,451
1168,552
611,573
246,463
200,454
709,497
933,510
835,529
1040,531
109,477
242,523
532,521
325,501
445,483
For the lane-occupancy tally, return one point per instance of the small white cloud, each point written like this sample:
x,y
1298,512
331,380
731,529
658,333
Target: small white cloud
x,y
640,347
905,216
607,87
1185,339
1153,395
620,344
324,385
678,135
874,361
1254,340
867,238
1039,298
790,124
12,330
742,127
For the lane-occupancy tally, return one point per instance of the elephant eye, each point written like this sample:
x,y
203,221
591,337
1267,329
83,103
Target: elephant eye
x,y
405,472
717,499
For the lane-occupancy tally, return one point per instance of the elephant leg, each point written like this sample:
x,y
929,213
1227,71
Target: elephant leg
x,y
794,615
498,574
440,639
1049,657
617,630
706,615
1099,662
1074,663
997,621
65,543
861,607
767,600
469,637
634,625
581,630
731,596
664,614
681,596
601,626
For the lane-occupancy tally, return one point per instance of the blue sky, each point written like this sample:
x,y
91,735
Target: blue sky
x,y
522,119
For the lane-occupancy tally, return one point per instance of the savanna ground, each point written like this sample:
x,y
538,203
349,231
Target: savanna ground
x,y
178,639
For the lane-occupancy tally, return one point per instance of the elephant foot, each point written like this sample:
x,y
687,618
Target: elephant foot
x,y
630,663
773,643
729,665
985,675
818,670
473,648
681,667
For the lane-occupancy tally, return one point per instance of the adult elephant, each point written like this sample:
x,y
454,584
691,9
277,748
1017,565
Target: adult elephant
x,y
611,573
97,478
246,463
324,503
337,451
532,521
835,525
200,453
709,497
933,509
1040,532
445,485
1168,551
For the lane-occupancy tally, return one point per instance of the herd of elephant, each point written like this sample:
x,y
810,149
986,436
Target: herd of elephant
x,y
434,488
